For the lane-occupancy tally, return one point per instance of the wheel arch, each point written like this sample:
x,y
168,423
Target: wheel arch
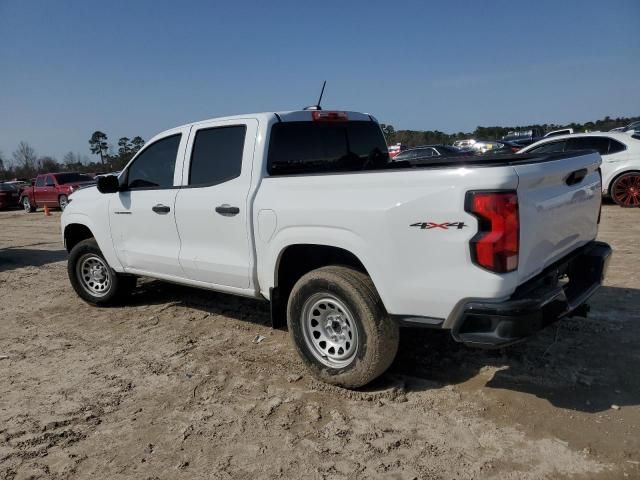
x,y
77,227
295,260
74,233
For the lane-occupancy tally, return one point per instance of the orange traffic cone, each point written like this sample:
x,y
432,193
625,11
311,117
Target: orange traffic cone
x,y
47,213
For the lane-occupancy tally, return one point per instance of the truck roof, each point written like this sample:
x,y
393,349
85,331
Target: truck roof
x,y
289,116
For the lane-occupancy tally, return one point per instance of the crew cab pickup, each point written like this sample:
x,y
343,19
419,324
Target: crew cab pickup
x,y
53,190
304,209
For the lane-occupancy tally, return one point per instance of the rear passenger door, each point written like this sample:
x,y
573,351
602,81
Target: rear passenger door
x,y
212,207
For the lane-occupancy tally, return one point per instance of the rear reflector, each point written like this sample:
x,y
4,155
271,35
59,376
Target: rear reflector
x,y
496,245
326,116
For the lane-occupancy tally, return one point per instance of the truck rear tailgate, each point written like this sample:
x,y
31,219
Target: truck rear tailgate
x,y
559,203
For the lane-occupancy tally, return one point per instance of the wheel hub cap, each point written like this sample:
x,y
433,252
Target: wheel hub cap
x,y
329,330
94,275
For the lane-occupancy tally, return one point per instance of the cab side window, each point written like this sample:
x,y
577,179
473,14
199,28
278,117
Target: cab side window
x,y
551,147
40,182
155,166
50,182
216,156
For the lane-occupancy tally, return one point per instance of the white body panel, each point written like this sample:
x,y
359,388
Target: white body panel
x,y
418,272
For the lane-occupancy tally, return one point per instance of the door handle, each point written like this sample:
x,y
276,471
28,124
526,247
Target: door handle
x,y
161,209
576,177
227,210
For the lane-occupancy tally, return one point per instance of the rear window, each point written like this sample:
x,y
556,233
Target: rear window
x,y
314,147
7,187
64,178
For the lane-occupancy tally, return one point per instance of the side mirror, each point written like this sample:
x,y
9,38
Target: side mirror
x,y
108,184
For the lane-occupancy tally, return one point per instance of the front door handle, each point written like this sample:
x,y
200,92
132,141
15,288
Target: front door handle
x,y
161,209
227,210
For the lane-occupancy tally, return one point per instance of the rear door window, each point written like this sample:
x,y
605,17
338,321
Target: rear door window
x,y
315,147
601,144
551,147
217,155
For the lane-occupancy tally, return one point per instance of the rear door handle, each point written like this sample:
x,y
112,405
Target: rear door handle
x,y
227,210
161,209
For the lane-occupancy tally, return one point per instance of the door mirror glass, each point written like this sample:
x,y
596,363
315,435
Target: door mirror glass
x,y
108,184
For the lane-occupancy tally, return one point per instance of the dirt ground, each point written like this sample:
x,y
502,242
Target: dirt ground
x,y
171,386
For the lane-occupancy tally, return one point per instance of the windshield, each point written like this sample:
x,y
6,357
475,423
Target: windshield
x,y
73,178
327,147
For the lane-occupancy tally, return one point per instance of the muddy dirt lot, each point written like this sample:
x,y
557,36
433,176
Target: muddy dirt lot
x,y
171,386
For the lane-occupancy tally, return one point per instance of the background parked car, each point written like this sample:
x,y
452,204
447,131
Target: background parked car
x,y
430,151
555,133
523,137
9,195
620,160
53,190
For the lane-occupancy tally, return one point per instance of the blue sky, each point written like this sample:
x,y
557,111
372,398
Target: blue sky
x,y
138,67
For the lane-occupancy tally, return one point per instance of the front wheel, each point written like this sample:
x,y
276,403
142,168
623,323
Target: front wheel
x,y
93,279
63,201
26,204
625,190
340,327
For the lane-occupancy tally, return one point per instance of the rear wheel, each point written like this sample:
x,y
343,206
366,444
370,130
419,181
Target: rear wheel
x,y
63,201
26,204
93,279
625,190
340,328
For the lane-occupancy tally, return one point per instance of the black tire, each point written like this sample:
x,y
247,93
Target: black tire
x,y
26,205
117,287
63,201
377,335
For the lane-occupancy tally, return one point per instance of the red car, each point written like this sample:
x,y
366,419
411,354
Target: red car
x,y
9,195
53,190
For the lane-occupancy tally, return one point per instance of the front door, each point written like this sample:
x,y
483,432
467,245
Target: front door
x,y
142,215
212,208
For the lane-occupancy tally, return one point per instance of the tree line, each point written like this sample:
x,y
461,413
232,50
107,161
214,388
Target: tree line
x,y
25,163
414,138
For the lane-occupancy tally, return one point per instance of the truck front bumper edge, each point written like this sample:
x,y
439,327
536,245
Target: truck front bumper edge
x,y
560,290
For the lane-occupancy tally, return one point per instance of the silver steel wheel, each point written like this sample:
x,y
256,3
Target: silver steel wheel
x,y
63,201
94,275
26,204
329,330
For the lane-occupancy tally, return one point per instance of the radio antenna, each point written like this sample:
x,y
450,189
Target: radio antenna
x,y
317,105
321,93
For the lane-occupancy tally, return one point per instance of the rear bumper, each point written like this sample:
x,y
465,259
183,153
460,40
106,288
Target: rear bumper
x,y
560,290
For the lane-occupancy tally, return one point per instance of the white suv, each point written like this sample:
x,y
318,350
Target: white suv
x,y
620,160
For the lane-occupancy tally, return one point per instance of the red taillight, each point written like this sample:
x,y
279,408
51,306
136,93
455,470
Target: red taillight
x,y
496,245
325,116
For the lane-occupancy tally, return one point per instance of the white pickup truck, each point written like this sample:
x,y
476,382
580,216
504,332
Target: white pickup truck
x,y
305,210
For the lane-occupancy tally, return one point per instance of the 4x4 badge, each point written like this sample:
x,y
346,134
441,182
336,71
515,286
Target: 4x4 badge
x,y
444,225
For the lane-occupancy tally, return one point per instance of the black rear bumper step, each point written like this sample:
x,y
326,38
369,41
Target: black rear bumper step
x,y
560,290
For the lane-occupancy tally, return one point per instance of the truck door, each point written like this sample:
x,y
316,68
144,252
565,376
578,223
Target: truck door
x,y
212,207
142,215
48,195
